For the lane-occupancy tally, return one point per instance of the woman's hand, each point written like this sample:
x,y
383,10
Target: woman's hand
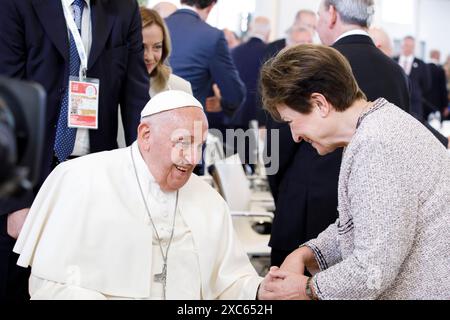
x,y
300,259
283,285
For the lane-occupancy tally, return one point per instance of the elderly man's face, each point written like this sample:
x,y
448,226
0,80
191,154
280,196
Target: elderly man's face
x,y
171,145
308,21
323,29
299,37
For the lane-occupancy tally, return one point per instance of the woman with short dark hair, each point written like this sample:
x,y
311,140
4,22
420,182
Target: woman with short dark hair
x,y
392,237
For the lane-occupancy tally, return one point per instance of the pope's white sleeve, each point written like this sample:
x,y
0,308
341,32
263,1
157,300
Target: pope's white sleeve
x,y
41,289
235,276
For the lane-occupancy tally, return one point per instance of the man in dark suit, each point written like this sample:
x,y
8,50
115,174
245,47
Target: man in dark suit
x,y
248,58
436,99
201,56
301,169
419,76
36,45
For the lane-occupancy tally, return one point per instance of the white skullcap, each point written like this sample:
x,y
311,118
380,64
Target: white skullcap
x,y
169,100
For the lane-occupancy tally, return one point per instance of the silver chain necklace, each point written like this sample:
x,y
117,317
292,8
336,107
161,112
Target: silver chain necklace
x,y
160,277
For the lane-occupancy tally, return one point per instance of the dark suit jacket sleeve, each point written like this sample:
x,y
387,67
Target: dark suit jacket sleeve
x,y
443,93
225,75
425,79
12,64
437,134
12,42
425,83
135,93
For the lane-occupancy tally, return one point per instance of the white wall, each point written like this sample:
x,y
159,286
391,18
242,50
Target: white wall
x,y
225,14
231,14
269,9
427,20
434,27
282,13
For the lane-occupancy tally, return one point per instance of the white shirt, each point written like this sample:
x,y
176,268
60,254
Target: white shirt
x,y
184,6
352,33
82,137
406,62
436,62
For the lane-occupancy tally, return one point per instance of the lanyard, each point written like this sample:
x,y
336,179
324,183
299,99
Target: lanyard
x,y
70,21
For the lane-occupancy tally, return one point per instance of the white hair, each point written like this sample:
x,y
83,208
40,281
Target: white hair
x,y
359,12
294,31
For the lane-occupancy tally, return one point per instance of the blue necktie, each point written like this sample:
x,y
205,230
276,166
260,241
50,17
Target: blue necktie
x,y
65,136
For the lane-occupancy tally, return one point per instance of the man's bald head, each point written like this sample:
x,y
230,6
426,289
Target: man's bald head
x,y
382,40
435,55
298,35
306,19
260,27
165,8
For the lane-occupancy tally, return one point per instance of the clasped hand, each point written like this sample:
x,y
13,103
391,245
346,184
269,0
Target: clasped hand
x,y
287,282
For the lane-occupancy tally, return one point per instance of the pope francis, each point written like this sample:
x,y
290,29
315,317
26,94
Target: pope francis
x,y
135,223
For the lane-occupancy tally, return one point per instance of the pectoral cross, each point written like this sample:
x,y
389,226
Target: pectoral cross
x,y
161,278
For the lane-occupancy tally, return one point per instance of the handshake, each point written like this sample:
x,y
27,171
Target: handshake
x,y
289,282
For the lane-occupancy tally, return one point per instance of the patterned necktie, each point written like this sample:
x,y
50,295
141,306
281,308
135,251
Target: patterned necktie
x,y
65,136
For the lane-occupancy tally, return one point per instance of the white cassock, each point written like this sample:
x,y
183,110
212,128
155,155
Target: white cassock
x,y
88,236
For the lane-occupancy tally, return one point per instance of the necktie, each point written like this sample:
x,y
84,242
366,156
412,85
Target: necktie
x,y
406,66
65,136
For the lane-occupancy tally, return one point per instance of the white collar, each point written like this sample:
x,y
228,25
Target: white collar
x,y
146,179
434,61
69,2
185,6
352,33
407,58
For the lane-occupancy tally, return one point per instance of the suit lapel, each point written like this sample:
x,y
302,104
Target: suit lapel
x,y
51,16
414,66
101,27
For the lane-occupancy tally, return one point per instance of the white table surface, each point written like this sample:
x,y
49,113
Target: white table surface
x,y
253,242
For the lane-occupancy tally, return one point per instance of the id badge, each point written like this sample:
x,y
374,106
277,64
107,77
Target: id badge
x,y
83,103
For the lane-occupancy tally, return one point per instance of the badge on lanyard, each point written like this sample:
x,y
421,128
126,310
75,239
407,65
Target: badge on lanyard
x,y
83,91
83,103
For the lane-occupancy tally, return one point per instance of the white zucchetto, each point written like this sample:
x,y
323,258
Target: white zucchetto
x,y
169,100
